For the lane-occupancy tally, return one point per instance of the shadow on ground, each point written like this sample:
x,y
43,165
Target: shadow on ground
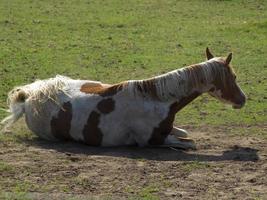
x,y
237,153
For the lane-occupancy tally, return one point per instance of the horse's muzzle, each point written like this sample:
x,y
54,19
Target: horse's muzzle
x,y
239,101
238,106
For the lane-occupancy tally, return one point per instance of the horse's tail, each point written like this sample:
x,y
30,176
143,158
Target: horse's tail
x,y
38,92
16,103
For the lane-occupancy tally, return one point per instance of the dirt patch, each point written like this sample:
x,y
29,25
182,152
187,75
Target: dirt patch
x,y
222,167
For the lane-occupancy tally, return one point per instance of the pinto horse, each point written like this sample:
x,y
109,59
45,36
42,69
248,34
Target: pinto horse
x,y
133,112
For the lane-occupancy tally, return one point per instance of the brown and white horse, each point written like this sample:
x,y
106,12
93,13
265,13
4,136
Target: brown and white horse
x,y
132,112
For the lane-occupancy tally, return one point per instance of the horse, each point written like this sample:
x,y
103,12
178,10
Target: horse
x,y
133,112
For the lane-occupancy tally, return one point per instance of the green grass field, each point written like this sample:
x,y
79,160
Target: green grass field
x,y
116,40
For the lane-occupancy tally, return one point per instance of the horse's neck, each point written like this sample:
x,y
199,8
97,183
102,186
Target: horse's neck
x,y
177,85
178,105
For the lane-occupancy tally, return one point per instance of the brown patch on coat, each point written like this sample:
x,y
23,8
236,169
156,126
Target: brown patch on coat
x,y
91,132
106,105
103,90
61,124
148,87
93,88
163,130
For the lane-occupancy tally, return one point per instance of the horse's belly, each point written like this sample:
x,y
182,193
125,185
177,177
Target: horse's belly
x,y
80,119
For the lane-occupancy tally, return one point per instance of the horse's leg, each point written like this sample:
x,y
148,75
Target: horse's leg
x,y
178,132
176,142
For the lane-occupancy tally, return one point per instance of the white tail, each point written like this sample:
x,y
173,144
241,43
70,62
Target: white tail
x,y
39,92
16,100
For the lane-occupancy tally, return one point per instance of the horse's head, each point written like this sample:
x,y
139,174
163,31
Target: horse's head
x,y
224,86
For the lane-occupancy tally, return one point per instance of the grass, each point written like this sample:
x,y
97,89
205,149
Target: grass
x,y
259,131
19,191
146,193
4,167
19,134
113,41
194,165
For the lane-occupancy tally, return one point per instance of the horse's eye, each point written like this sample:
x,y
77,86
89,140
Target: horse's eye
x,y
234,77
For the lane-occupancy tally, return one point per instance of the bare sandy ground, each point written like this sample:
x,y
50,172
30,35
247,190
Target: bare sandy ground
x,y
222,167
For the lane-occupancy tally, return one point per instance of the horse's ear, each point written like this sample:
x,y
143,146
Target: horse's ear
x,y
228,59
209,54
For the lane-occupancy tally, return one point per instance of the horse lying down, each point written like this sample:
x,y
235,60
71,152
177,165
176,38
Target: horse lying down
x,y
132,112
